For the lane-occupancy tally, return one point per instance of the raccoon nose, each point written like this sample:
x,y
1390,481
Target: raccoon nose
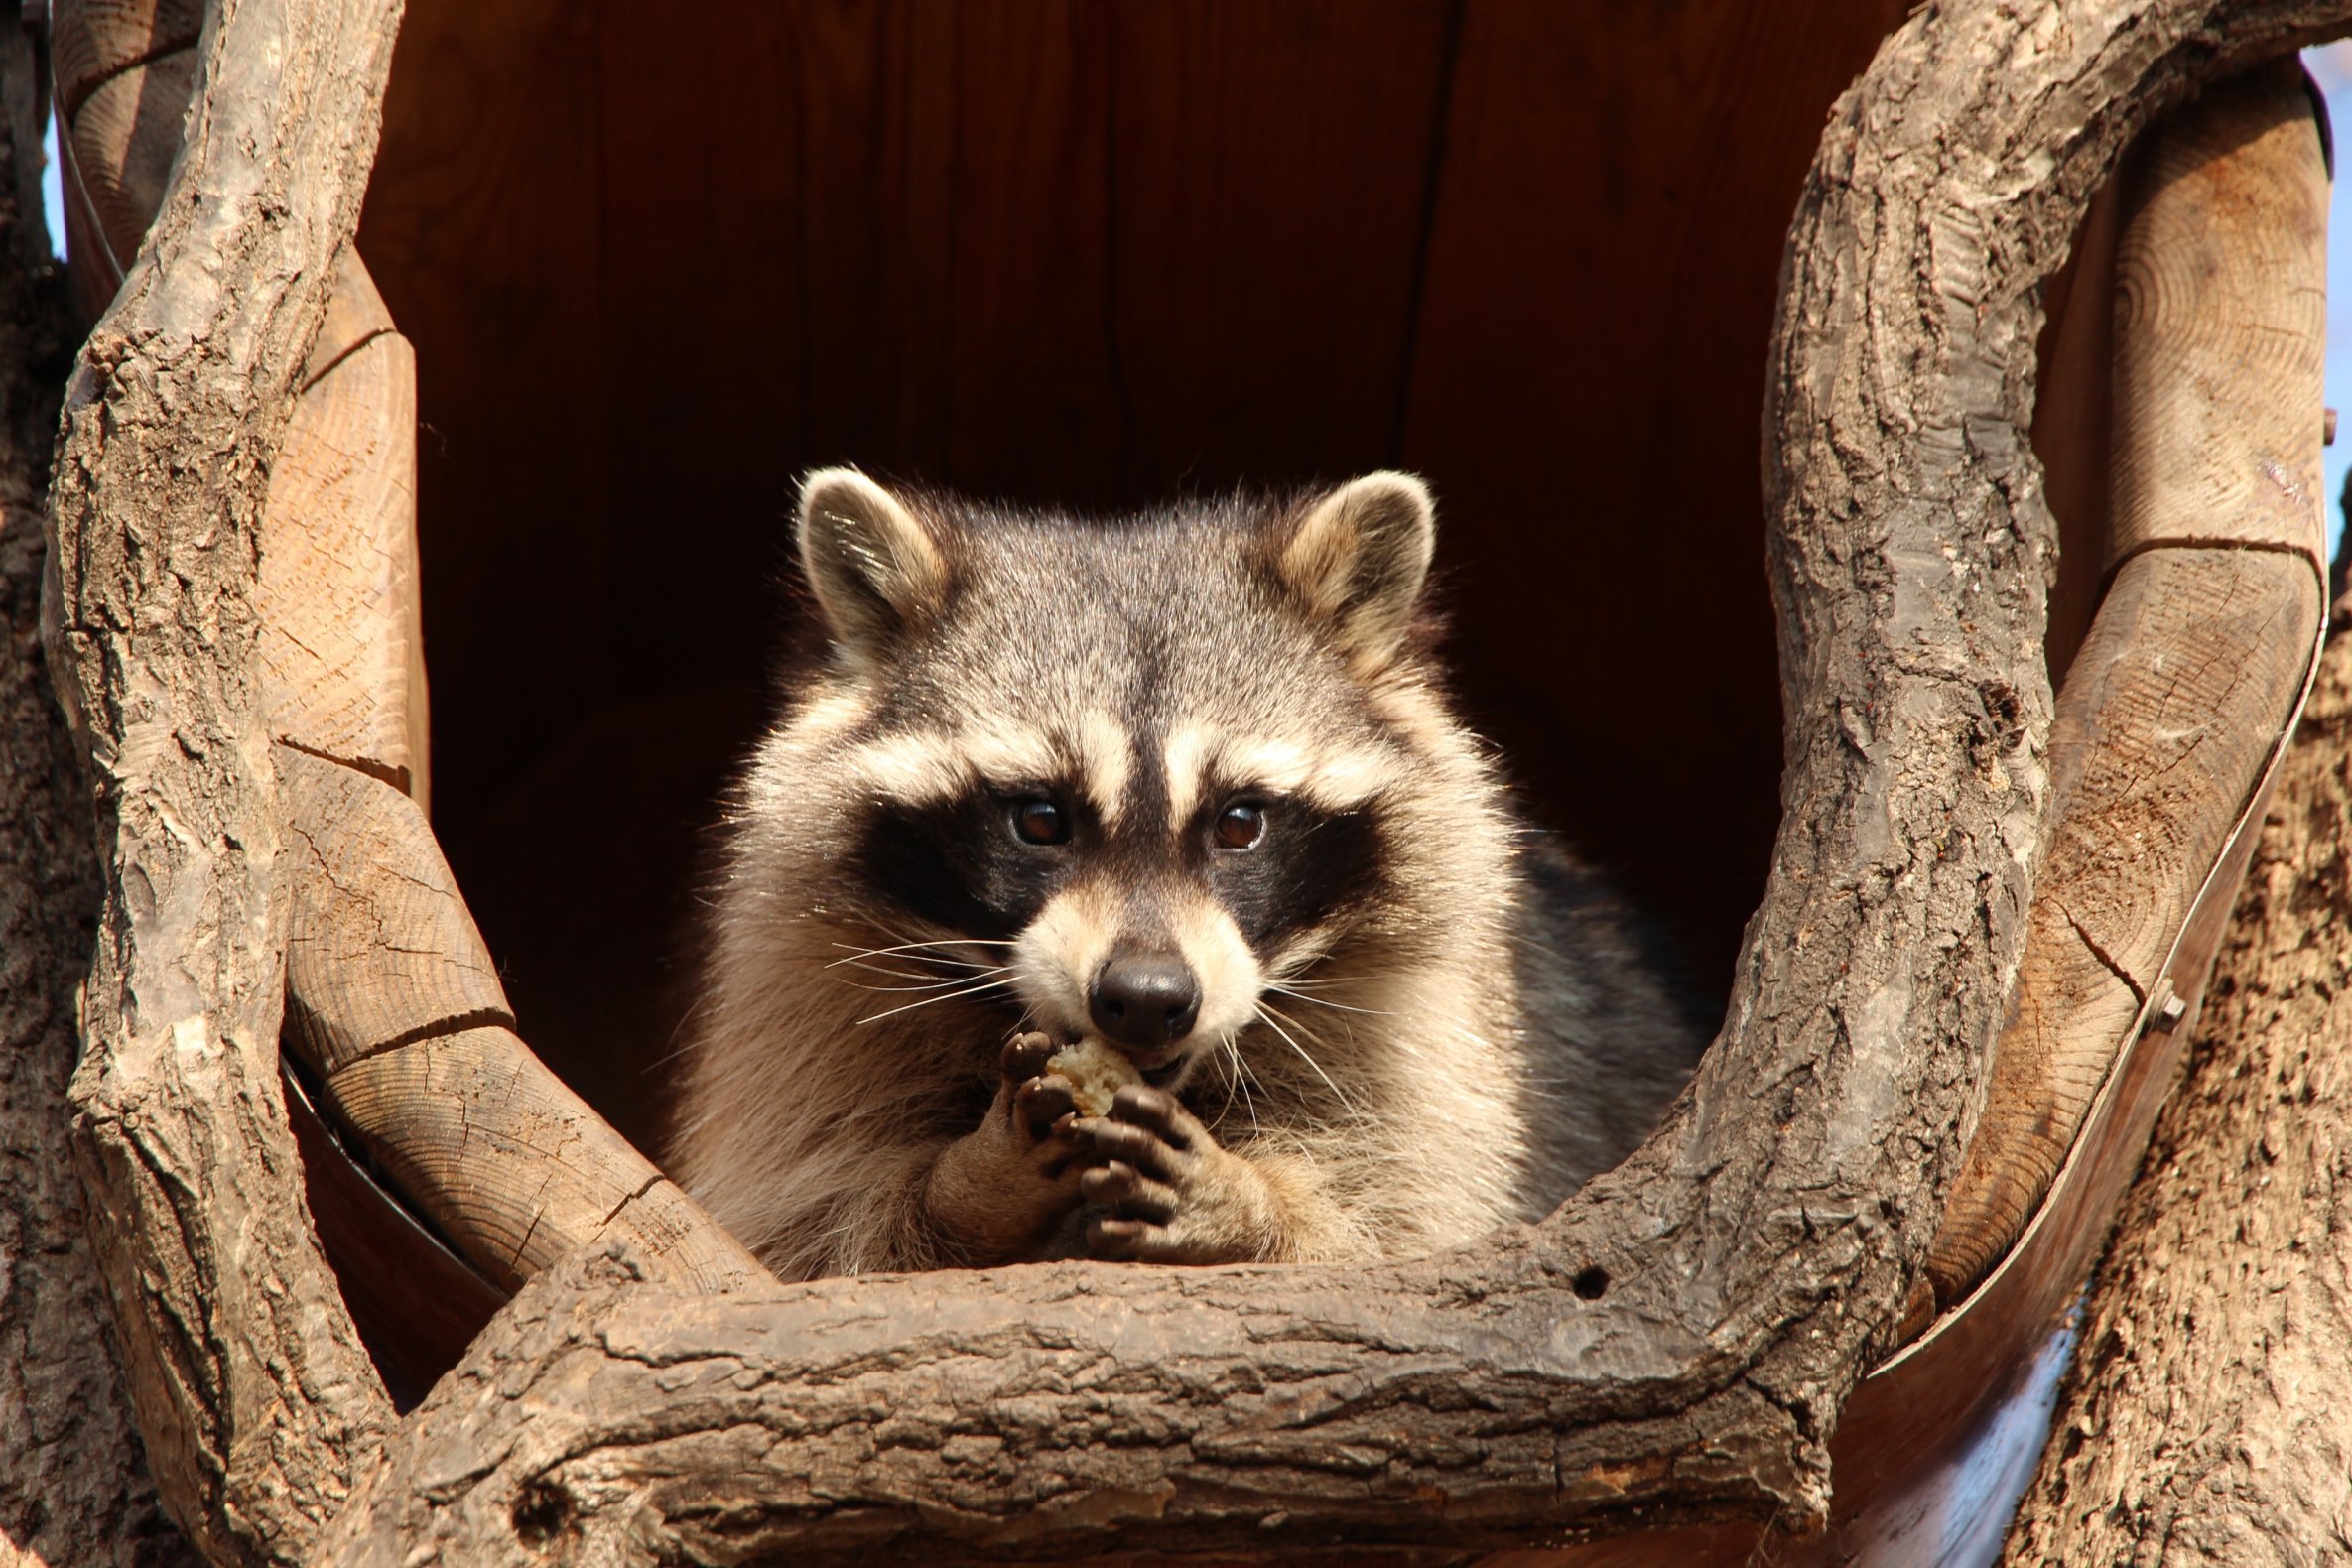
x,y
1145,1001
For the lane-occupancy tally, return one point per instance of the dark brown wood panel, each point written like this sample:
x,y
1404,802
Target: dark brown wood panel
x,y
1617,182
1272,175
483,226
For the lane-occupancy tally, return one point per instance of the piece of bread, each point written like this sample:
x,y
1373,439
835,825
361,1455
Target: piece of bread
x,y
1095,1069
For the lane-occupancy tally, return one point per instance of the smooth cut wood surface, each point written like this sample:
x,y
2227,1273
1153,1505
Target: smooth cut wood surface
x,y
388,992
91,41
2178,700
2220,329
416,1303
339,561
125,135
379,947
518,1170
2188,680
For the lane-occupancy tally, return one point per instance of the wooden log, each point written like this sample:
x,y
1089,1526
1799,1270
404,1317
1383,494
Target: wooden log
x,y
2221,327
518,1170
2187,684
421,1303
379,947
392,999
90,41
256,1402
339,559
125,135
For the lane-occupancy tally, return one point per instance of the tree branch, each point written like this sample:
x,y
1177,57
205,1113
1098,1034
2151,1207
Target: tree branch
x,y
255,1398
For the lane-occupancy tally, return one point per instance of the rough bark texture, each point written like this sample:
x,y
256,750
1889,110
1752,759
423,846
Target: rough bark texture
x,y
2206,1420
1677,1342
73,1487
255,1399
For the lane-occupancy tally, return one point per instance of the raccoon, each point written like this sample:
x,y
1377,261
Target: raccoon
x,y
1187,783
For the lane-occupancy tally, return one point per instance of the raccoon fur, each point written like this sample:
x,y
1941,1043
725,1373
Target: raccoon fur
x,y
1186,782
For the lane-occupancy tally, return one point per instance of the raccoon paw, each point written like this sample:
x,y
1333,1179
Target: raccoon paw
x,y
1169,1194
999,1192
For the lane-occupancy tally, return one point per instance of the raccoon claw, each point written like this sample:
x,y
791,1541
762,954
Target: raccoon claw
x,y
1114,1241
1126,1194
1159,1113
1140,1149
1025,1056
1042,1104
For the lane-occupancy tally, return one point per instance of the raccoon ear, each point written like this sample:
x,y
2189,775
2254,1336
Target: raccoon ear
x,y
1358,559
875,567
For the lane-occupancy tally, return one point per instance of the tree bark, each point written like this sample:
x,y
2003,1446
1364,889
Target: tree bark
x,y
74,1485
1678,1341
2206,1421
256,1402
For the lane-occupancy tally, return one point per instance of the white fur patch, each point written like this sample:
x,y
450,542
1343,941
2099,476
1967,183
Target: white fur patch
x,y
923,767
1055,959
1223,964
1278,765
1004,752
914,767
1185,756
1107,760
830,712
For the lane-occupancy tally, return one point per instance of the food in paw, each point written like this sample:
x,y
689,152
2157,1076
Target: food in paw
x,y
1096,1070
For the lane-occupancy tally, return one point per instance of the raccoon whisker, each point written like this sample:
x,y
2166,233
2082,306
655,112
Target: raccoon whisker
x,y
1217,1055
869,964
970,991
943,942
1266,1012
932,984
903,955
1240,1080
1337,1006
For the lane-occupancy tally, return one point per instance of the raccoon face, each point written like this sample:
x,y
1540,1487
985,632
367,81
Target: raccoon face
x,y
1144,769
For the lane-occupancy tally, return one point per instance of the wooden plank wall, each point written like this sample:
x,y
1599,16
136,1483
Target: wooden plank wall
x,y
1091,253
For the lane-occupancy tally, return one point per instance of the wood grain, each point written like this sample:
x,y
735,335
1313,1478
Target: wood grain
x,y
126,133
518,1170
2190,676
2220,326
338,560
379,947
415,1303
92,41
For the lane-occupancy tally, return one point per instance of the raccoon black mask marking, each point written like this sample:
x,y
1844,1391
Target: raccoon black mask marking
x,y
1185,783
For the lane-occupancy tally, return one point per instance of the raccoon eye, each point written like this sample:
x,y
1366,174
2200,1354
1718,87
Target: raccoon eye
x,y
1240,827
1040,821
